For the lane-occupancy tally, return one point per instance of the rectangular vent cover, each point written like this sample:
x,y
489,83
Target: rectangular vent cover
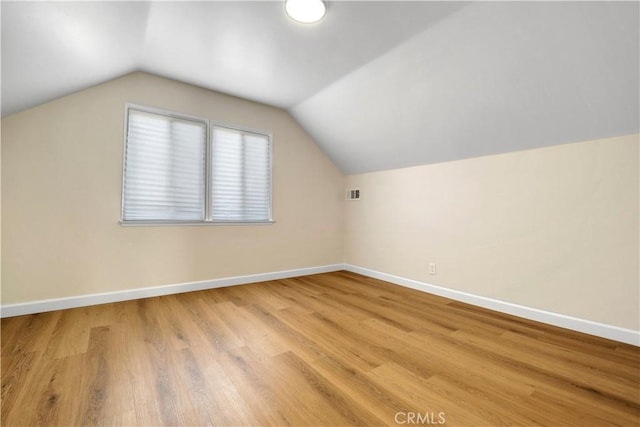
x,y
353,194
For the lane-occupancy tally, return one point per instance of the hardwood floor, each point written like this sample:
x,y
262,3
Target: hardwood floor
x,y
329,349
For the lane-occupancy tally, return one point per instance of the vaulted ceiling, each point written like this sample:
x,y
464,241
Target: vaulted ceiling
x,y
379,85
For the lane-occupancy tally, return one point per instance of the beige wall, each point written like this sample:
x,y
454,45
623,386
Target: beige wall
x,y
553,228
61,192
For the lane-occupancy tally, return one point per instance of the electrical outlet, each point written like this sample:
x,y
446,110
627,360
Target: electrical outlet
x,y
432,268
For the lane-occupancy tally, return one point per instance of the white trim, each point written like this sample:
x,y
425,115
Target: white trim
x,y
41,306
615,333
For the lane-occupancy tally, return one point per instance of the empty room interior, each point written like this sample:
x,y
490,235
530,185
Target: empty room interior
x,y
320,213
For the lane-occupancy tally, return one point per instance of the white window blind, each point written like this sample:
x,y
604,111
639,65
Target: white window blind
x,y
169,178
240,176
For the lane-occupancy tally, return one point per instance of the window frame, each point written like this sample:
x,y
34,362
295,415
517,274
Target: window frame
x,y
206,209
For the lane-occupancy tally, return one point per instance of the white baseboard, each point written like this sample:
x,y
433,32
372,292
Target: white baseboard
x,y
42,306
615,333
581,325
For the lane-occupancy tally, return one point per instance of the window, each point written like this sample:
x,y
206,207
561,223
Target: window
x,y
179,169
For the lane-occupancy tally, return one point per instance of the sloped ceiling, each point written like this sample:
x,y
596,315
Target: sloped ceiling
x,y
492,78
245,48
378,85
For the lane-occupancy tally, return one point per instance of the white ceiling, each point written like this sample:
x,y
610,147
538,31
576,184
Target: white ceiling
x,y
379,85
245,48
494,77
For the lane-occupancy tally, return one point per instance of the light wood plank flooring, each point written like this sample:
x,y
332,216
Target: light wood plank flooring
x,y
329,349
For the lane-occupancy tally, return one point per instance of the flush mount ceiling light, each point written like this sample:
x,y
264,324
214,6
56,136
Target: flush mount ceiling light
x,y
305,11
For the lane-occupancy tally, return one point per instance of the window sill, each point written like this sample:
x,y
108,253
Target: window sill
x,y
190,223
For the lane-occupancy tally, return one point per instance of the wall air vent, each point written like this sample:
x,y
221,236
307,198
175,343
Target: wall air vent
x,y
353,194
